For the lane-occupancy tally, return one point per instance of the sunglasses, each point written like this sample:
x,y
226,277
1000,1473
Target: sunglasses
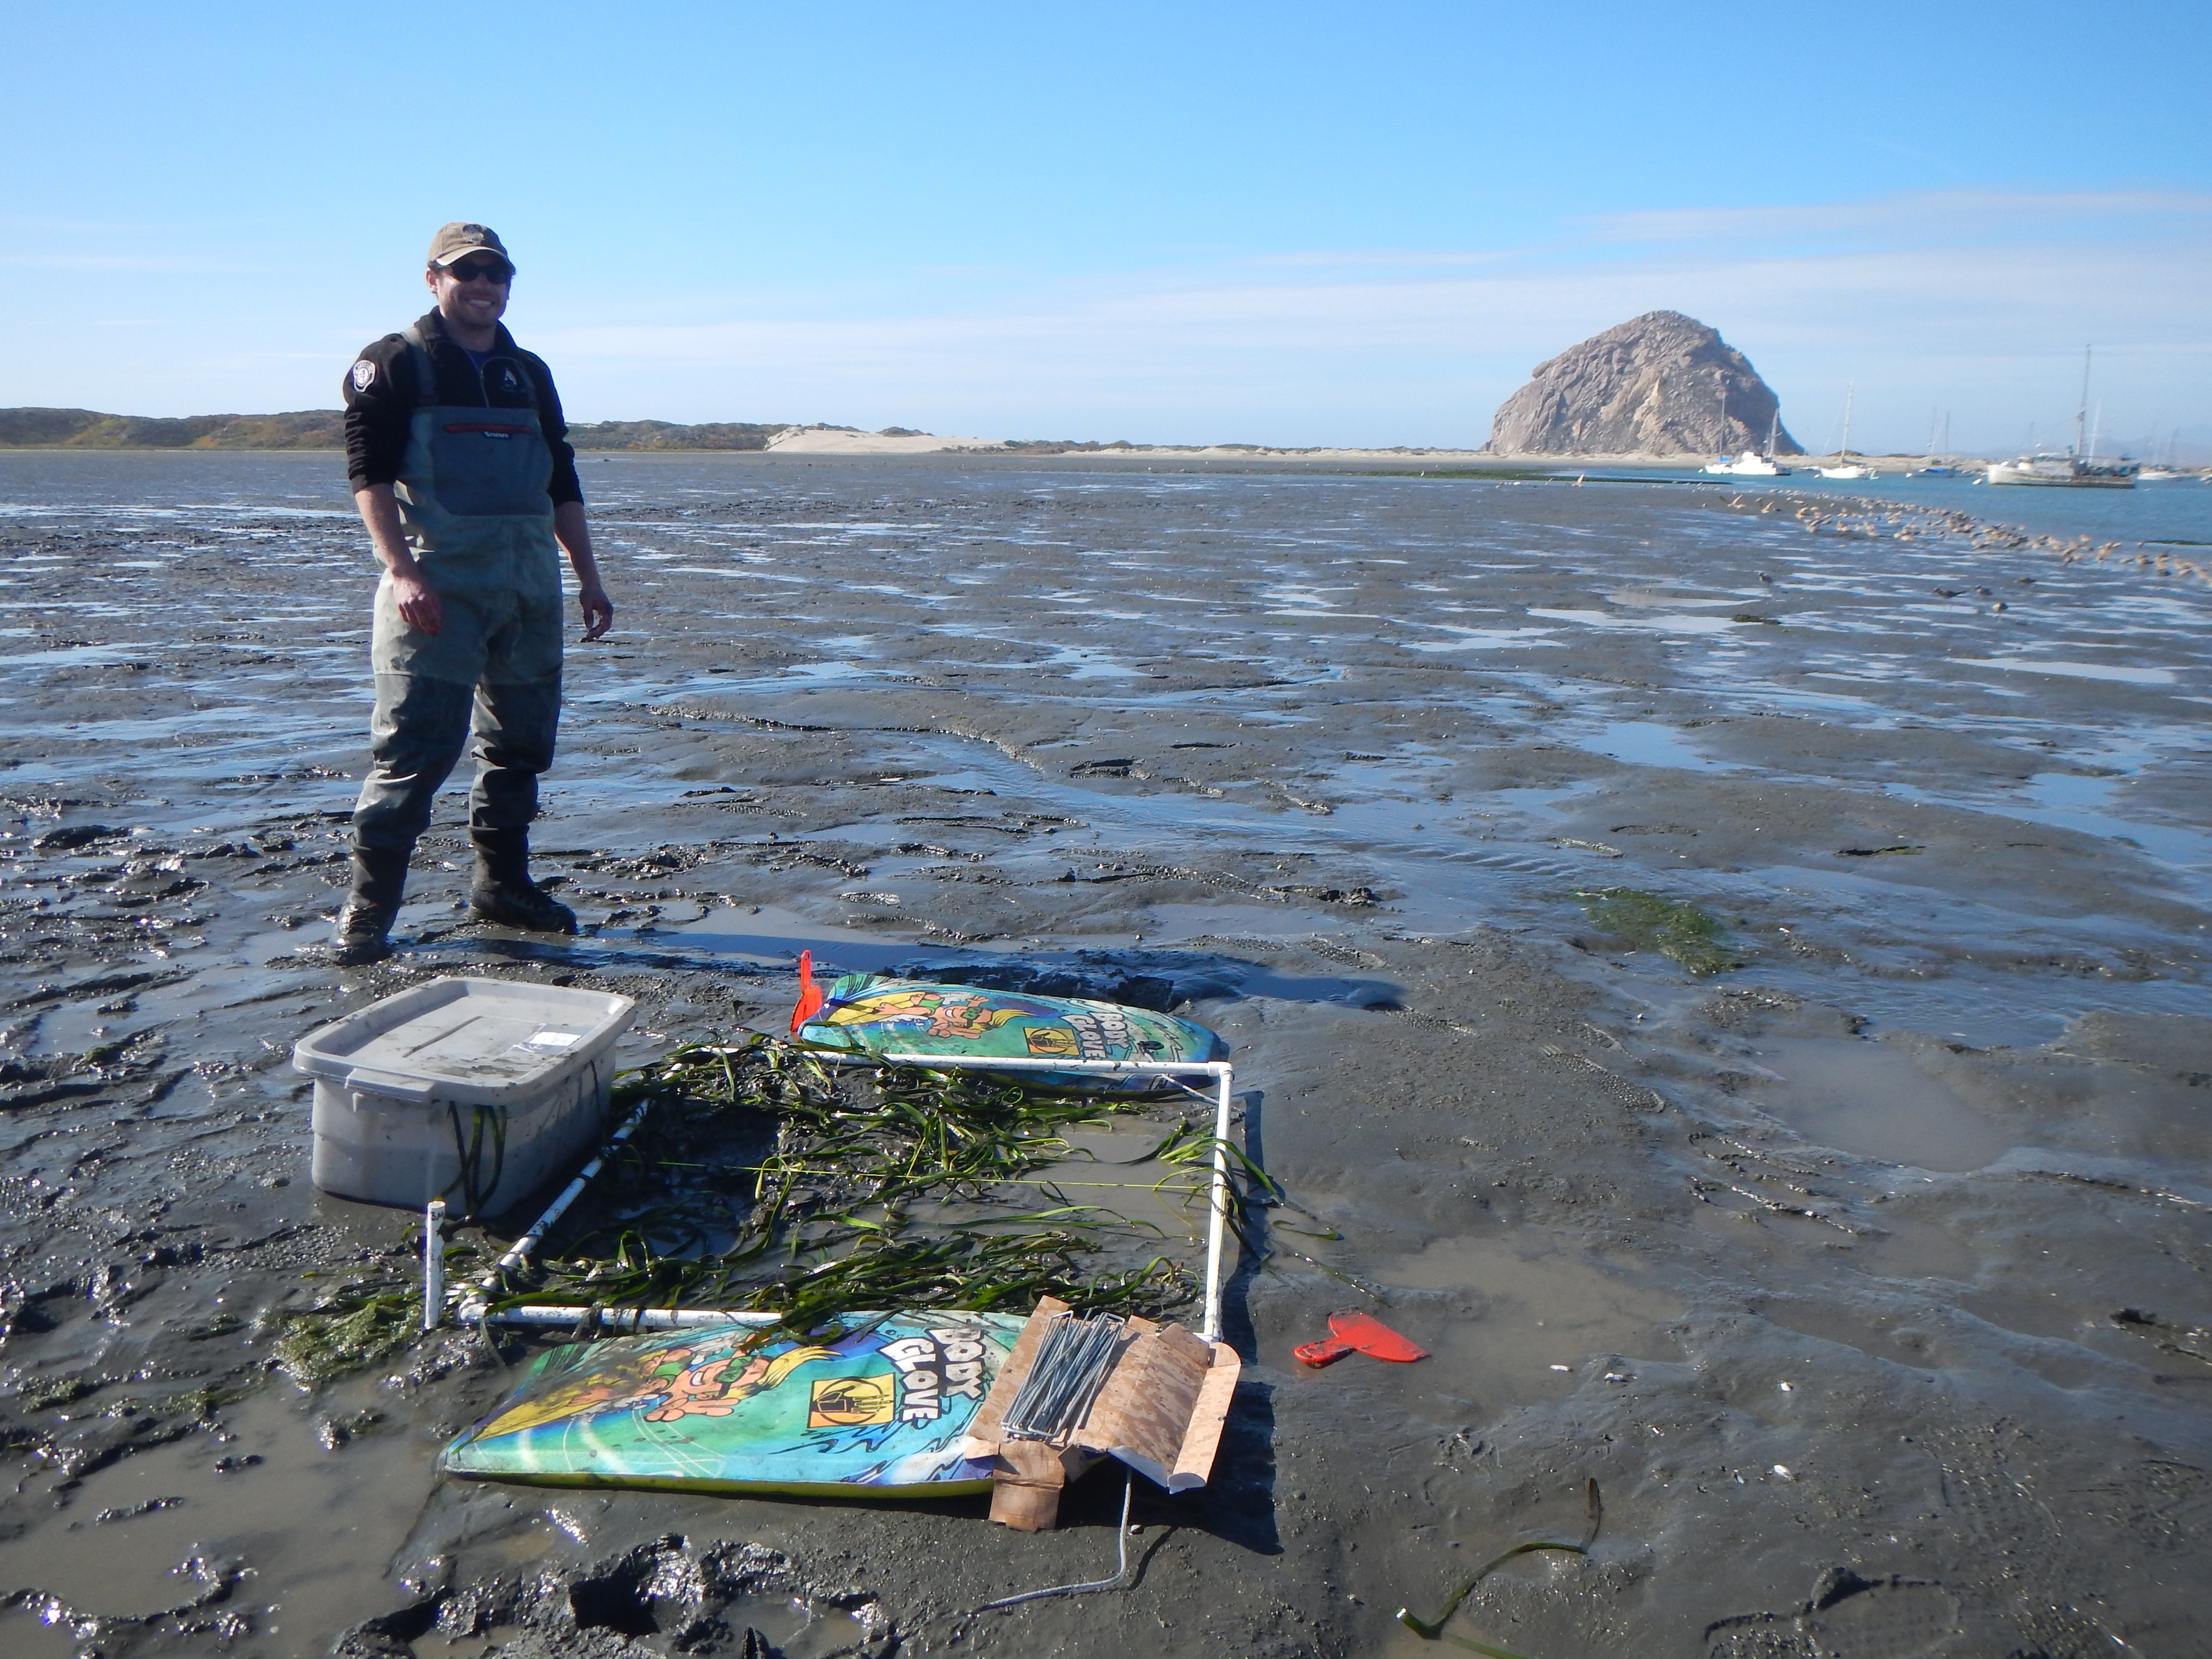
x,y
491,271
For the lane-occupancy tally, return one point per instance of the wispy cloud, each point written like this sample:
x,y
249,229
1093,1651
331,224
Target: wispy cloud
x,y
1385,346
1976,301
1949,215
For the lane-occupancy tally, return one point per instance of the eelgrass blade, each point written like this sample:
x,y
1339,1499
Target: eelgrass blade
x,y
1430,1629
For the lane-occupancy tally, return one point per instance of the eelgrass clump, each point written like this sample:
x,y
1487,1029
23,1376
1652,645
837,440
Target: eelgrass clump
x,y
45,1394
356,1326
762,1182
1679,932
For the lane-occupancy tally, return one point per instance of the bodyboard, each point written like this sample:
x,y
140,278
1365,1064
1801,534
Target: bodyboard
x,y
865,1015
876,1408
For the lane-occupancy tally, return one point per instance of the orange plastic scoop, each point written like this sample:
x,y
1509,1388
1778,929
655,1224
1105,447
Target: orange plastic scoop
x,y
1356,1332
1323,1353
810,998
1373,1337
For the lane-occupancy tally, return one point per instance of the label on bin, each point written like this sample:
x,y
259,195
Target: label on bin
x,y
554,1039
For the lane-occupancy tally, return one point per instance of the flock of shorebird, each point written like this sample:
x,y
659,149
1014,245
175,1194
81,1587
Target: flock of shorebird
x,y
1914,524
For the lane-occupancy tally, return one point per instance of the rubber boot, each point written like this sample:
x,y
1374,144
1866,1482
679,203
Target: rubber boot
x,y
503,890
379,880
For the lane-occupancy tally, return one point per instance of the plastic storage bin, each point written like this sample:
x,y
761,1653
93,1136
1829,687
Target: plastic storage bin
x,y
474,1090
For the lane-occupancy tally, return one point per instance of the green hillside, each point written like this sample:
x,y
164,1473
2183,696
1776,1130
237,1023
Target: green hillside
x,y
324,428
663,435
87,428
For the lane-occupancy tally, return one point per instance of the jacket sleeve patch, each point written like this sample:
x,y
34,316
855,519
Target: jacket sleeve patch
x,y
364,374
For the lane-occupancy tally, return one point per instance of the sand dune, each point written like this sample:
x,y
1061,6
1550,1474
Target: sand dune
x,y
842,440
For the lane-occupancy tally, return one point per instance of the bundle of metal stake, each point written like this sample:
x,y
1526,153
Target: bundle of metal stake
x,y
1071,1365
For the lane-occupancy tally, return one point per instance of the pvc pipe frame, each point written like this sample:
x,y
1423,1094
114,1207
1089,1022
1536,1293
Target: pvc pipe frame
x,y
434,1264
474,1308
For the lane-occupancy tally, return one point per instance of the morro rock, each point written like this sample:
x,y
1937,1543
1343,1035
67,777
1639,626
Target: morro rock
x,y
1660,384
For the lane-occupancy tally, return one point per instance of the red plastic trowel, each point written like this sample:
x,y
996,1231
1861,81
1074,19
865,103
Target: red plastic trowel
x,y
810,998
1355,1332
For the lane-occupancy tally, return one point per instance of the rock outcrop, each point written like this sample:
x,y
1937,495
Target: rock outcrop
x,y
1660,384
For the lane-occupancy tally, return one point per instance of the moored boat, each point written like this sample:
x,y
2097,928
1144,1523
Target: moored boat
x,y
2066,471
1845,467
2075,468
1749,464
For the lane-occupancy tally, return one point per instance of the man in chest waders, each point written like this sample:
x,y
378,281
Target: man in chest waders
x,y
460,462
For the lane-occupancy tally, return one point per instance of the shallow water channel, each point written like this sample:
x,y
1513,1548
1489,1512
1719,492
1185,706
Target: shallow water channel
x,y
1865,1275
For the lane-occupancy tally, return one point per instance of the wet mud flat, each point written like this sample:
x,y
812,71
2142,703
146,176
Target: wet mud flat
x,y
1864,1270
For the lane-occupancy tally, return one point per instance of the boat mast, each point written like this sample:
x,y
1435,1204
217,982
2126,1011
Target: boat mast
x,y
1773,427
2081,413
1850,388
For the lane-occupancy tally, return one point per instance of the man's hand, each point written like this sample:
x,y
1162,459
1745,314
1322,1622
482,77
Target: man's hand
x,y
576,539
419,607
598,611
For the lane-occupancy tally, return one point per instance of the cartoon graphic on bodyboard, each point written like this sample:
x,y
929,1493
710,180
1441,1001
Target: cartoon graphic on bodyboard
x,y
863,1014
876,1407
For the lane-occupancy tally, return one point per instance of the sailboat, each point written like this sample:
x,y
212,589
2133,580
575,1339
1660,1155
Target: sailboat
x,y
2170,472
2074,470
1751,464
1845,467
1931,467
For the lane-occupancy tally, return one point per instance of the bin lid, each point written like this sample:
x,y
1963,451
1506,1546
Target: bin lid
x,y
477,1041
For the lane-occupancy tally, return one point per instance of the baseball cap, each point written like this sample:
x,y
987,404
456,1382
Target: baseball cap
x,y
462,238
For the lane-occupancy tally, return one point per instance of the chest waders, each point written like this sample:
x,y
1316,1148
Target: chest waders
x,y
472,501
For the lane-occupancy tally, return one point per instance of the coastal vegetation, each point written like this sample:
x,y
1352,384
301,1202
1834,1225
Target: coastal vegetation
x,y
667,435
88,429
324,428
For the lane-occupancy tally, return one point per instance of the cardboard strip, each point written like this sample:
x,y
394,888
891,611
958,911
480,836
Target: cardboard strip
x,y
1193,1465
1143,1413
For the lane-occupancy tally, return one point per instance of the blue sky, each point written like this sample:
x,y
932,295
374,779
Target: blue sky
x,y
1288,223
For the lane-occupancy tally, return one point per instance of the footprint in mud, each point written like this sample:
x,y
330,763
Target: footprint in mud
x,y
1869,1097
264,1494
1532,1315
1847,1617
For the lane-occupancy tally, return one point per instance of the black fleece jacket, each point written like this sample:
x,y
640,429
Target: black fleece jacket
x,y
381,397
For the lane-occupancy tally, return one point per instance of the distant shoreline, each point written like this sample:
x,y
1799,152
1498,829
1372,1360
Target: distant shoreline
x,y
319,431
1214,454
